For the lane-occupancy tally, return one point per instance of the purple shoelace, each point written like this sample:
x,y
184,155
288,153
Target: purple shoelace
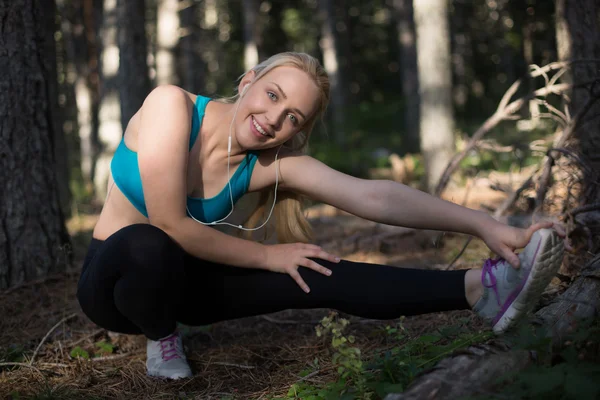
x,y
168,347
488,269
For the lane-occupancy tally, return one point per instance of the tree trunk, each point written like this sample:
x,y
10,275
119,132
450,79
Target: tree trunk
x,y
193,69
110,130
33,238
405,25
435,87
578,38
273,38
167,31
61,150
330,47
250,11
134,82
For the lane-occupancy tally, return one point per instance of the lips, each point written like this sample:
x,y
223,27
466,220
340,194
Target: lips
x,y
256,132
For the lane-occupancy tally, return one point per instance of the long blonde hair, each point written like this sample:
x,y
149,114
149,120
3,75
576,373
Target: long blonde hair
x,y
290,223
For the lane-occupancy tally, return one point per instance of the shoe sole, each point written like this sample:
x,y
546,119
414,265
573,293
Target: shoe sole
x,y
546,264
174,378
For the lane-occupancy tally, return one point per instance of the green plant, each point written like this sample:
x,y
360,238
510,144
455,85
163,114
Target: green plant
x,y
104,348
346,358
79,352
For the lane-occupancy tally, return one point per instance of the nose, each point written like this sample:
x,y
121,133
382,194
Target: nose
x,y
275,117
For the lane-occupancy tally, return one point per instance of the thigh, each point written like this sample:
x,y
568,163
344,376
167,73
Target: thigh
x,y
217,292
105,265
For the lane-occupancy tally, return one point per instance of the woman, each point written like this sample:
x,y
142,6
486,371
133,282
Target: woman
x,y
156,259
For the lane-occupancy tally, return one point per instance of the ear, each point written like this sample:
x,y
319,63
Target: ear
x,y
246,81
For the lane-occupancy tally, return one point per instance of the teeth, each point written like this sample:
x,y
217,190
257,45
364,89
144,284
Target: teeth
x,y
258,128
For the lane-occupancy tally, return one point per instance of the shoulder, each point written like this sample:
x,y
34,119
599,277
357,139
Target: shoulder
x,y
167,99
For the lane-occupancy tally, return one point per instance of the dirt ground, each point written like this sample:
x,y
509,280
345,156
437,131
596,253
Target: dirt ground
x,y
250,358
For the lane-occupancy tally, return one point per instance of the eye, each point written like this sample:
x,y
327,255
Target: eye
x,y
293,118
272,95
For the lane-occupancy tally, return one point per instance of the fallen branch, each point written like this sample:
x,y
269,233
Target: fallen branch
x,y
48,334
18,364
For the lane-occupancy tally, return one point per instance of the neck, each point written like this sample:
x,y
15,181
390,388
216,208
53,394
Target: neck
x,y
220,128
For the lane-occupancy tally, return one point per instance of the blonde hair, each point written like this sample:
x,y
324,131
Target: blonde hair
x,y
290,223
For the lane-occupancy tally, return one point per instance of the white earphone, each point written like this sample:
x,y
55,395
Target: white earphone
x,y
222,220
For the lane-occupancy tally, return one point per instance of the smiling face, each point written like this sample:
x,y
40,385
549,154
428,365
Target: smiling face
x,y
275,107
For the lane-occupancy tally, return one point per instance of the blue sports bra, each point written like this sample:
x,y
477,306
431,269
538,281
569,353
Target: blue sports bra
x,y
126,175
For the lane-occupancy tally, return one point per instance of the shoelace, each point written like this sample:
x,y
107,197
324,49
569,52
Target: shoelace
x,y
488,269
168,348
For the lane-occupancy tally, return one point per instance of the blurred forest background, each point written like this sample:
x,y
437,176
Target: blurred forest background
x,y
437,94
412,83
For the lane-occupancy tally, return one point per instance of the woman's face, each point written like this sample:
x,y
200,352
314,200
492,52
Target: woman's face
x,y
274,108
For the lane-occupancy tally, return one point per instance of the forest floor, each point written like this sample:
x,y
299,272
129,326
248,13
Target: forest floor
x,y
58,353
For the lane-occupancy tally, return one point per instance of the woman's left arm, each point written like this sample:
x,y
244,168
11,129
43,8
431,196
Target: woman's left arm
x,y
393,203
382,201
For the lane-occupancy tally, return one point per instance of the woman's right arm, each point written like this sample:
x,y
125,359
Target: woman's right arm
x,y
163,141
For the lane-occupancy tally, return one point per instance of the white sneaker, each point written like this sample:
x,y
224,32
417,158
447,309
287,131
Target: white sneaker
x,y
510,293
166,358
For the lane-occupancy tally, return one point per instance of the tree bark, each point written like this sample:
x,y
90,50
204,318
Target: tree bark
x,y
61,150
134,82
435,87
578,38
407,41
33,238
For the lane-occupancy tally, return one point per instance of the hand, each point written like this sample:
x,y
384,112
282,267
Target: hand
x,y
504,240
286,258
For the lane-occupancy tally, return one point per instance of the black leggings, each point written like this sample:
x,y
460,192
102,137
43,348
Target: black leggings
x,y
141,281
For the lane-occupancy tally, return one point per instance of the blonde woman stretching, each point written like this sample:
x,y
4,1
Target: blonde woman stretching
x,y
155,258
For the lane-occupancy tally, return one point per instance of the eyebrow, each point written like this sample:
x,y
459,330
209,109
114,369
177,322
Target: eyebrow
x,y
285,97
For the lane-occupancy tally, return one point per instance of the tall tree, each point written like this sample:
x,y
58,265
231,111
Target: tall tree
x,y
167,36
134,82
192,67
33,237
83,52
110,129
435,87
251,33
407,40
578,39
333,60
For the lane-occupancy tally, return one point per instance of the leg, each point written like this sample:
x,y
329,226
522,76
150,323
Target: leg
x,y
361,289
130,282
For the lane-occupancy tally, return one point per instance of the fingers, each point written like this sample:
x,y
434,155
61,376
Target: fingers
x,y
296,276
558,228
315,267
537,226
318,252
511,257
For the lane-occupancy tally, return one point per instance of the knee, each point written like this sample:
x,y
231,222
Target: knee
x,y
147,244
